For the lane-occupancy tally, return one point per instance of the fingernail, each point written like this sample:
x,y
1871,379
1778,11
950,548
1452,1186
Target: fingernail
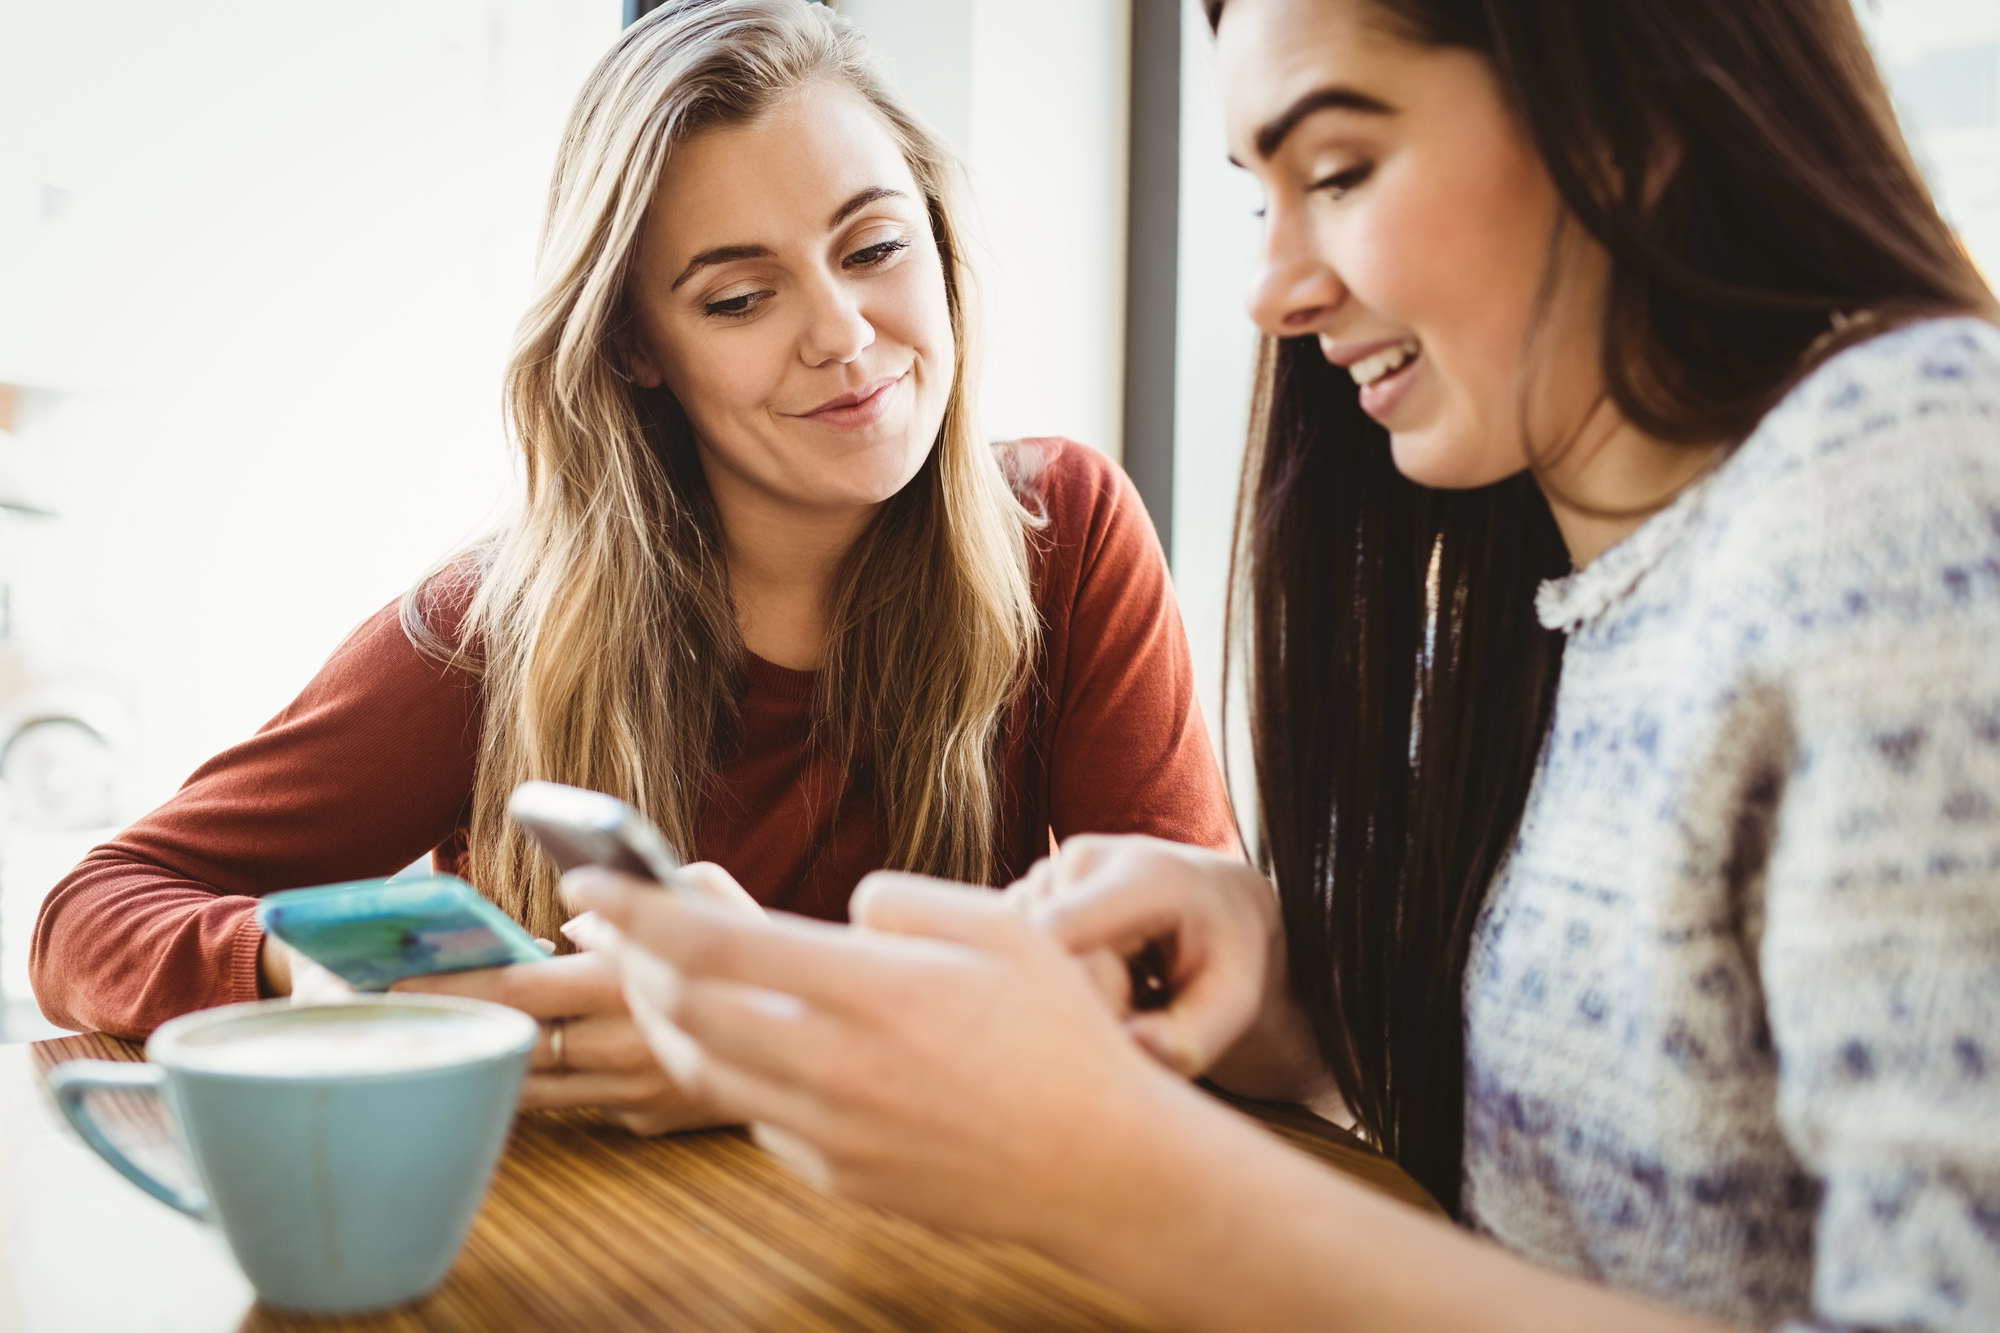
x,y
588,888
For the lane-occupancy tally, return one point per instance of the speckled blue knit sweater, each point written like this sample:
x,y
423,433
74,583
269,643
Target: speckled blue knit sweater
x,y
1733,1002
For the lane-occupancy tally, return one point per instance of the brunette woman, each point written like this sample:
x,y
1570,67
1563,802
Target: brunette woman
x,y
768,584
1622,528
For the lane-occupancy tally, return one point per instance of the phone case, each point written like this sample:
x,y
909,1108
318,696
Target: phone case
x,y
374,932
577,827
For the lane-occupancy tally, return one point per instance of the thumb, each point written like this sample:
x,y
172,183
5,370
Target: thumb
x,y
720,887
1169,1038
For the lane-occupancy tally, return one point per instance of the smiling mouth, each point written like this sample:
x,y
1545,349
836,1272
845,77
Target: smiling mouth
x,y
856,397
1371,369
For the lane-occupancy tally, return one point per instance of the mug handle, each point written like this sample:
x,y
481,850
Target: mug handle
x,y
70,1080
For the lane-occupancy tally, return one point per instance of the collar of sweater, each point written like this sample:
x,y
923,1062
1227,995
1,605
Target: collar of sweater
x,y
1574,600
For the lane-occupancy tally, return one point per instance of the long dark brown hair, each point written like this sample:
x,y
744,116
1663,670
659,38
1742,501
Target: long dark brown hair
x,y
1401,688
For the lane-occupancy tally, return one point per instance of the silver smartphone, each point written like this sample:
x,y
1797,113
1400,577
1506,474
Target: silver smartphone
x,y
576,827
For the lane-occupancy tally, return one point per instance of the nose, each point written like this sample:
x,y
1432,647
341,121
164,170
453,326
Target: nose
x,y
836,329
1296,288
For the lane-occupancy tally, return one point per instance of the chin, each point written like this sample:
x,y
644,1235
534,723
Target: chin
x,y
873,484
1445,460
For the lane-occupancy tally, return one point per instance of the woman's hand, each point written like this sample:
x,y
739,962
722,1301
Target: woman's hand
x,y
1216,922
605,1060
947,1058
283,970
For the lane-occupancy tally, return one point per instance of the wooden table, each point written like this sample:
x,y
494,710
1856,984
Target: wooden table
x,y
585,1228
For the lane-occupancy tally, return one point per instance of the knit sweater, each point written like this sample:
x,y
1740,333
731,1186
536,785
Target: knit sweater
x,y
1733,1001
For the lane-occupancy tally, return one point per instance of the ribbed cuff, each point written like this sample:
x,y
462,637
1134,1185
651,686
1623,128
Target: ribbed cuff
x,y
243,953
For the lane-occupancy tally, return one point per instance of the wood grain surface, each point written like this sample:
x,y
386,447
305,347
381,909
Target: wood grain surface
x,y
589,1228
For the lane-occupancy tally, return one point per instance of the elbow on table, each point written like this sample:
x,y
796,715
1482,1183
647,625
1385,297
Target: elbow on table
x,y
89,966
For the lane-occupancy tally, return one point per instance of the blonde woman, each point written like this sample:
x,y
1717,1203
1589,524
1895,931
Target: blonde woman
x,y
768,584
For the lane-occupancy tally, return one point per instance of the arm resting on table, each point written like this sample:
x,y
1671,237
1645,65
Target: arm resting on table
x,y
369,768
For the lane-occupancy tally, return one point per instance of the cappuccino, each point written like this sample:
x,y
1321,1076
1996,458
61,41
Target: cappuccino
x,y
343,1041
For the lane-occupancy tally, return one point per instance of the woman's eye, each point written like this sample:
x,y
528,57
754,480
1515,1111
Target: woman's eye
x,y
1340,182
733,305
874,254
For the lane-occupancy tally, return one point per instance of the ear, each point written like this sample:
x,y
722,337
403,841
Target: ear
x,y
641,367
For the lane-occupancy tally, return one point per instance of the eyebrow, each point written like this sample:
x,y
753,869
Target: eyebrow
x,y
1273,135
729,254
722,254
861,201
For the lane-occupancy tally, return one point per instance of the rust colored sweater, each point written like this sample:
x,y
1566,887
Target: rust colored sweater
x,y
372,766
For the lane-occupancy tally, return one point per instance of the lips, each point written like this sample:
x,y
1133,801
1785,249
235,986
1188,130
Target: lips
x,y
1384,370
854,398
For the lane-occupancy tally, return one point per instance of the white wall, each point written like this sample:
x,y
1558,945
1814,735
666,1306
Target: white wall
x,y
1942,60
1033,94
1219,243
259,268
272,255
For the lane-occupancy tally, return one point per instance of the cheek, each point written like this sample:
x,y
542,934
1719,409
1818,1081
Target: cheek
x,y
913,313
1455,257
716,373
921,315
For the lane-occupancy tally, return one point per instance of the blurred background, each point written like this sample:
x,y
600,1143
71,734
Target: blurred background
x,y
260,262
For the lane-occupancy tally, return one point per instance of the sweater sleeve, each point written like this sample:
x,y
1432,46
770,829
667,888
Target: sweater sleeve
x,y
1128,751
369,768
1881,944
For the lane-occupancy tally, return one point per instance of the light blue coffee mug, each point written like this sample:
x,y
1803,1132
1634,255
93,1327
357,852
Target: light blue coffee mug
x,y
343,1149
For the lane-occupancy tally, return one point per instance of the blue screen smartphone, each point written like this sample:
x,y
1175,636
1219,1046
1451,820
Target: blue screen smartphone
x,y
374,932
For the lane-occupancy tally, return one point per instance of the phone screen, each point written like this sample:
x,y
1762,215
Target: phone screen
x,y
373,932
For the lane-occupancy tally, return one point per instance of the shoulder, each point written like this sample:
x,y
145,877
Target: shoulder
x,y
1897,405
433,616
1083,501
414,644
1099,573
1876,481
1929,371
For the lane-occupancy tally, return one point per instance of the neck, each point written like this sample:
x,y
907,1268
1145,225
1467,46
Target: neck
x,y
1612,478
782,561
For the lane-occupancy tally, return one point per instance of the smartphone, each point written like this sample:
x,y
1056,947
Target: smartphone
x,y
374,932
576,827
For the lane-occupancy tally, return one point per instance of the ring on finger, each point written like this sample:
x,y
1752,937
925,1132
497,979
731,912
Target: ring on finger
x,y
558,1065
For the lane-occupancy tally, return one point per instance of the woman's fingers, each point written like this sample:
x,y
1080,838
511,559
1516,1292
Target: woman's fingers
x,y
310,983
814,959
903,904
758,1031
546,1090
1177,1040
1213,918
805,1161
713,881
591,932
605,1041
1112,910
1111,977
1034,887
558,988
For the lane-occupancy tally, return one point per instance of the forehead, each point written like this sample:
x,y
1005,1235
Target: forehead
x,y
1271,53
768,180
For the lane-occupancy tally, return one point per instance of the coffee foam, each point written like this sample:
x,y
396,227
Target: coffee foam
x,y
344,1041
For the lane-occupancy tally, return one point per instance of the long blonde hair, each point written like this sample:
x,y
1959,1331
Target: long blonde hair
x,y
603,627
